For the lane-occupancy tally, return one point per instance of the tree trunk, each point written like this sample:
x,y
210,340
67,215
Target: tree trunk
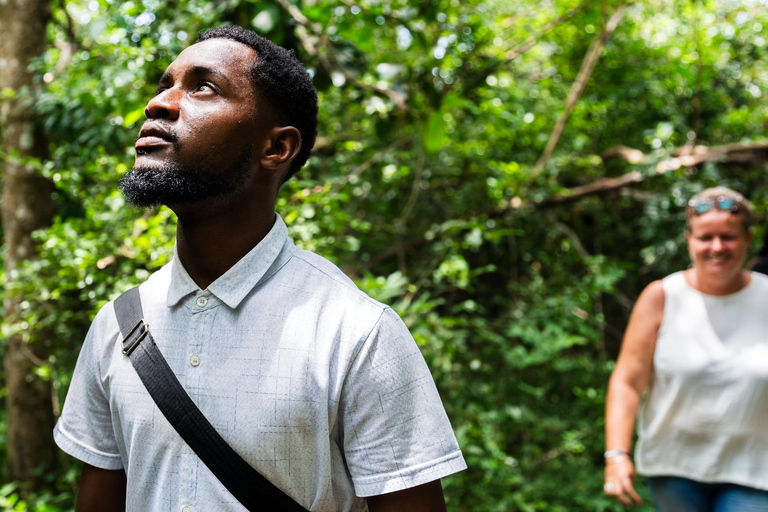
x,y
26,206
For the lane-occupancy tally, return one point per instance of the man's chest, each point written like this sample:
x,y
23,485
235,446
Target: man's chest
x,y
270,398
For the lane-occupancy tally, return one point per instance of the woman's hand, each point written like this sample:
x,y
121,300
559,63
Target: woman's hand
x,y
620,478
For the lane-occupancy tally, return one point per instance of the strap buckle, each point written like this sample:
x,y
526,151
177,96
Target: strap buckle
x,y
143,329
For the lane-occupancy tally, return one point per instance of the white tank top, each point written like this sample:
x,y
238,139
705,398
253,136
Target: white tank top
x,y
705,416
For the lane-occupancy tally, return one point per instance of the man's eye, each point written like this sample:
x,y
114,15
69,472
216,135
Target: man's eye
x,y
205,87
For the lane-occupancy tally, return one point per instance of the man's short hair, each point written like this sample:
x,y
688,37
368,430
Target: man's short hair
x,y
283,81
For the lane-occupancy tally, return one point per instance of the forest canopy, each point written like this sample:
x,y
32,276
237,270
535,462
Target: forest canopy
x,y
507,175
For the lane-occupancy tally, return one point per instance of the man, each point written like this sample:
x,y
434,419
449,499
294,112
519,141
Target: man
x,y
318,387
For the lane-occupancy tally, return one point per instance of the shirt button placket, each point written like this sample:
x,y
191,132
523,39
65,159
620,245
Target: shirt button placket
x,y
196,328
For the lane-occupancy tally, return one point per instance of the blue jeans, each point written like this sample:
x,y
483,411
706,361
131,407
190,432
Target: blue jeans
x,y
673,494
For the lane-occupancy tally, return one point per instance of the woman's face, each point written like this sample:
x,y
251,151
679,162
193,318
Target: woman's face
x,y
718,243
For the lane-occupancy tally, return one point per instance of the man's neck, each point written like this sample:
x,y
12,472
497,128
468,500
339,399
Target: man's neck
x,y
209,241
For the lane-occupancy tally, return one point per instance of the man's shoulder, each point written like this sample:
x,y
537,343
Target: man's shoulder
x,y
326,278
156,284
313,262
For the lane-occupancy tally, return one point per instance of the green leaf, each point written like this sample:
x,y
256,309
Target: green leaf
x,y
131,117
435,136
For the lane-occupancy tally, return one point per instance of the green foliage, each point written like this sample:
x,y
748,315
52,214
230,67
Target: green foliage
x,y
58,497
432,117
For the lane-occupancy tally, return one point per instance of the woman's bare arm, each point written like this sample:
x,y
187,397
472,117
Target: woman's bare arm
x,y
629,380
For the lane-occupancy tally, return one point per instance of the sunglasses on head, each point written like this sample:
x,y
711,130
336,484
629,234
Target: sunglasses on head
x,y
725,203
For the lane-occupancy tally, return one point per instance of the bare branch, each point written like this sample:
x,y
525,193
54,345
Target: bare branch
x,y
728,154
587,67
415,190
581,251
522,48
69,27
409,204
596,187
327,58
685,156
31,356
631,155
738,153
72,43
296,14
511,54
574,239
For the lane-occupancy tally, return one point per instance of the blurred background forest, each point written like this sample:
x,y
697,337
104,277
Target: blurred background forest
x,y
508,174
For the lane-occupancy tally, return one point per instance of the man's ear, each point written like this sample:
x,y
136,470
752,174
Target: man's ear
x,y
282,147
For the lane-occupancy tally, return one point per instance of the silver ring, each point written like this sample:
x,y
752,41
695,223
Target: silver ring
x,y
609,486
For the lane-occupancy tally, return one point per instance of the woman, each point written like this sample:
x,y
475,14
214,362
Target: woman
x,y
759,262
698,342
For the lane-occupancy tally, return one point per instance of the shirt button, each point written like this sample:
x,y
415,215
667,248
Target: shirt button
x,y
194,361
186,509
202,301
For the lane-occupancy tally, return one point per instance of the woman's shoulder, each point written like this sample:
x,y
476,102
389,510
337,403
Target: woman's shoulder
x,y
759,277
651,300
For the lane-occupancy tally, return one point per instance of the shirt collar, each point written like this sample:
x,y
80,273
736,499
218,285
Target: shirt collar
x,y
232,287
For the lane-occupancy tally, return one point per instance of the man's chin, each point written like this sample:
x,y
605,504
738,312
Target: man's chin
x,y
152,161
146,186
152,185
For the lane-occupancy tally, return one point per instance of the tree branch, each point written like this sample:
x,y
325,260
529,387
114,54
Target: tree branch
x,y
329,61
582,251
409,204
685,156
587,67
522,48
371,161
596,187
511,54
72,44
727,154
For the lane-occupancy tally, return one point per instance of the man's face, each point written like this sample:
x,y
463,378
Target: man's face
x,y
203,129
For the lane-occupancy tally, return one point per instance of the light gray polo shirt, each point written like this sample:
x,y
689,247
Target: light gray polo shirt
x,y
315,384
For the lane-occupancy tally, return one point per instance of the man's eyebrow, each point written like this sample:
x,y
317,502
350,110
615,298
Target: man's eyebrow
x,y
205,70
197,71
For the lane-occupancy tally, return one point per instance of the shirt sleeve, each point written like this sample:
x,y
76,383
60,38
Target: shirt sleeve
x,y
85,429
396,432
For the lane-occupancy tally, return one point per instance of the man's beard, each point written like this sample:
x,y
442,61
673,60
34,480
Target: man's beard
x,y
176,183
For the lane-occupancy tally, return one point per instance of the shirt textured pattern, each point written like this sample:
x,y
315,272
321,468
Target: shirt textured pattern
x,y
706,412
316,385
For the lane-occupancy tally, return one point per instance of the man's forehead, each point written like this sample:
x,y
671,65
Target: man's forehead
x,y
219,54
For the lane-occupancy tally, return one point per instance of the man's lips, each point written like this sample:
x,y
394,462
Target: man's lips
x,y
148,142
152,136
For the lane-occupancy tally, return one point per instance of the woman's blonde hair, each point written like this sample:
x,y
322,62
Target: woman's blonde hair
x,y
741,207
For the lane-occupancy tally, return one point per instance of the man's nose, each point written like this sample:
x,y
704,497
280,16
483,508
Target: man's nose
x,y
164,105
717,244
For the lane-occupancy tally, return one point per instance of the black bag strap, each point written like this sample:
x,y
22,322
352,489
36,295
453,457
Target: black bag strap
x,y
246,484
